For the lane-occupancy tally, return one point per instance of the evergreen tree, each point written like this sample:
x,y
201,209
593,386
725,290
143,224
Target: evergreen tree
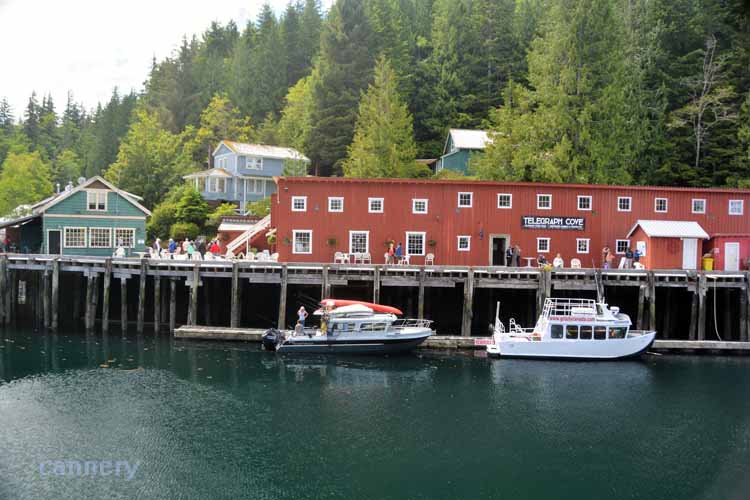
x,y
31,119
268,60
297,62
6,116
383,143
346,61
296,118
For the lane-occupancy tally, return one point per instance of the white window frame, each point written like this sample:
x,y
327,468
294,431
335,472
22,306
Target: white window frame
x,y
585,197
296,232
630,204
304,203
77,228
692,206
255,161
370,202
414,202
510,200
424,241
91,237
617,244
539,240
124,229
742,207
538,199
367,241
656,205
332,199
588,245
471,199
97,193
465,237
213,184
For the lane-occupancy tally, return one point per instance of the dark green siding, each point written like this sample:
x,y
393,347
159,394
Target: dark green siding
x,y
88,222
457,161
76,205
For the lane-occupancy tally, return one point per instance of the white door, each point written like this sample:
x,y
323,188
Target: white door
x,y
689,253
732,256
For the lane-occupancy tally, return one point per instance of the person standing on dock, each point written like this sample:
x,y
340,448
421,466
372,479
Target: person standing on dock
x,y
399,251
302,315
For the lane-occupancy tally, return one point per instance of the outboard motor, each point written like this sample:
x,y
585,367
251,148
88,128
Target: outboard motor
x,y
271,339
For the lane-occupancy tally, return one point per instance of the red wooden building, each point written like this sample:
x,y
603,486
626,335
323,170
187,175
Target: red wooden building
x,y
474,222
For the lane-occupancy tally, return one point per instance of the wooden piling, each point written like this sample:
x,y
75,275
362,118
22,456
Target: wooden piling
x,y
3,289
420,304
693,335
208,294
282,299
157,303
142,296
76,297
194,284
468,313
376,286
651,301
172,304
667,323
87,321
744,303
234,315
123,305
702,288
95,301
727,320
641,300
105,294
45,297
325,289
55,299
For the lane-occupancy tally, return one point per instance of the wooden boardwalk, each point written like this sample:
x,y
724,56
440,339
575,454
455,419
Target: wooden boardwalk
x,y
48,269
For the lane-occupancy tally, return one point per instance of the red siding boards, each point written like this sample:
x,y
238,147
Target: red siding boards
x,y
719,248
445,220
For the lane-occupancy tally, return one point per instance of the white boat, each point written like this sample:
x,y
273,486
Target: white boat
x,y
353,329
571,329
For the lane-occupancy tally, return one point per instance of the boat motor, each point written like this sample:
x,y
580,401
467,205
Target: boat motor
x,y
271,339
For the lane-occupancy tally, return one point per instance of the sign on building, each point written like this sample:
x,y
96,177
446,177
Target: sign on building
x,y
534,222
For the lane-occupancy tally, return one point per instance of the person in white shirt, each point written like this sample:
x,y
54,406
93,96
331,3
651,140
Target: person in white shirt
x,y
557,261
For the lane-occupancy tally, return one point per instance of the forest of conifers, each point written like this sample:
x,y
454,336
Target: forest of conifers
x,y
599,91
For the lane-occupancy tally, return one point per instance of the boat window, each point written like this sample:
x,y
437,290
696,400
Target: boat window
x,y
617,332
585,332
556,331
571,332
600,332
344,327
372,327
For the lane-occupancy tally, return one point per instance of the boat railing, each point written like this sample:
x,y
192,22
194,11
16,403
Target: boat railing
x,y
569,307
411,323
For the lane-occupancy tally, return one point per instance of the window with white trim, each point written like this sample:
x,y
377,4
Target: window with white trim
x,y
661,205
125,237
584,203
222,163
335,204
624,203
217,185
302,241
698,206
504,200
544,202
621,246
375,205
100,237
464,243
74,237
359,241
415,243
736,207
582,245
542,245
299,203
419,206
96,201
254,163
465,200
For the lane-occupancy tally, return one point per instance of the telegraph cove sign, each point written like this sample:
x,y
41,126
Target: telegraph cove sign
x,y
534,222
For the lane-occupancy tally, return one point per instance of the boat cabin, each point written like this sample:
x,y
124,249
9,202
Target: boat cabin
x,y
582,319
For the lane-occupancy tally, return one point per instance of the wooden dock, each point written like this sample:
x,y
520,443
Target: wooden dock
x,y
33,285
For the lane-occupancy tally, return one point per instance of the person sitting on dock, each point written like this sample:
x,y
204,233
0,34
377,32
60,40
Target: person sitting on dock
x,y
299,330
302,315
557,262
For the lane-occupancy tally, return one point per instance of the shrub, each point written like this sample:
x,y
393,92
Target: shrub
x,y
182,230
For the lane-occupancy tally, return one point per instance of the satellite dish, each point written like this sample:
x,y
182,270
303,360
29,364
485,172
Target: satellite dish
x,y
81,180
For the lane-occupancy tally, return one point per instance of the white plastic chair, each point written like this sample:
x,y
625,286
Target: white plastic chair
x,y
404,260
366,258
575,263
275,257
429,259
338,257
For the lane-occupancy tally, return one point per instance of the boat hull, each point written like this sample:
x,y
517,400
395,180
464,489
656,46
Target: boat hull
x,y
604,350
350,346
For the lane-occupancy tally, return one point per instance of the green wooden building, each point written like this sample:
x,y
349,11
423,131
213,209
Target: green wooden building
x,y
93,218
459,146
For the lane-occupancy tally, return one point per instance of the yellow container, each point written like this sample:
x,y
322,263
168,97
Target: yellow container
x,y
708,263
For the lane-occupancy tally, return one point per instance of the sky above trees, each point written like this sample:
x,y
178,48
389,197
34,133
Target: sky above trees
x,y
91,46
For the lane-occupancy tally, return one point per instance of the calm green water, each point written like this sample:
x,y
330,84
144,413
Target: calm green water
x,y
222,421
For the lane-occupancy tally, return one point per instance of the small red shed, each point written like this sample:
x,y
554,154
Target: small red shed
x,y
665,244
731,251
